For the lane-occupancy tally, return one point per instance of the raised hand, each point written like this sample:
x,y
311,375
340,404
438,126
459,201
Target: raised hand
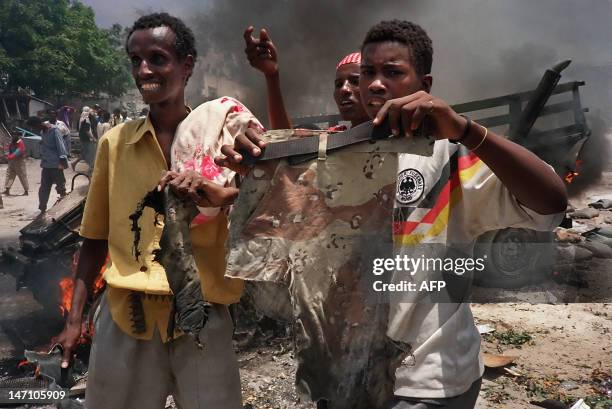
x,y
261,52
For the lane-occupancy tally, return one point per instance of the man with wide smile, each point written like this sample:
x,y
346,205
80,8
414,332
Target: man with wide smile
x,y
134,362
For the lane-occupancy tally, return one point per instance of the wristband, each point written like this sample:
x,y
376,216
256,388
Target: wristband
x,y
465,133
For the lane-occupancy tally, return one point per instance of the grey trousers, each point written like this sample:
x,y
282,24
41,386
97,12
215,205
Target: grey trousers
x,y
48,178
126,373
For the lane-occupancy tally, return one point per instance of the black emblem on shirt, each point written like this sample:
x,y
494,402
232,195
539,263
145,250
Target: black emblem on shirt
x,y
410,186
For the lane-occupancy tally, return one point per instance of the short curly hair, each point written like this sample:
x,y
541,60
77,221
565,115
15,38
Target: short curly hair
x,y
184,44
405,32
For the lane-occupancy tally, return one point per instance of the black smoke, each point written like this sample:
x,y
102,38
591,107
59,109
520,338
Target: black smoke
x,y
482,48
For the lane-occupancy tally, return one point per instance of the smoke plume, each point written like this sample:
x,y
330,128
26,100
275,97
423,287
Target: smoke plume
x,y
482,48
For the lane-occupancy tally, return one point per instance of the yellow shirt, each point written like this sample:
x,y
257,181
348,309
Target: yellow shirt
x,y
130,163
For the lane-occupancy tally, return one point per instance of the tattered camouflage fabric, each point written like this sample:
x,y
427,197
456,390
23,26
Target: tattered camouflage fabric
x,y
316,227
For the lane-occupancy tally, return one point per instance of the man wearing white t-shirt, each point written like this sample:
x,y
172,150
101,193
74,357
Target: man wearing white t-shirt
x,y
475,181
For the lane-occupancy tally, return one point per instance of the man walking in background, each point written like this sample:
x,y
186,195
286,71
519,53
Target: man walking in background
x,y
53,161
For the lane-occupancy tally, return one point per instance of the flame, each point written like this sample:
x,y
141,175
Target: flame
x,y
36,368
67,285
99,283
570,175
67,289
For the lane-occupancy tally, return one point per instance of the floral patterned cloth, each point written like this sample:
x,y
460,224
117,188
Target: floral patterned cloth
x,y
201,135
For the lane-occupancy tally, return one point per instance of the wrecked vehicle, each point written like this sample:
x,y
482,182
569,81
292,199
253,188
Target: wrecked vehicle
x,y
47,248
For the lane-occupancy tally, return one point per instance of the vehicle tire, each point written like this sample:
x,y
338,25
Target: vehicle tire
x,y
514,258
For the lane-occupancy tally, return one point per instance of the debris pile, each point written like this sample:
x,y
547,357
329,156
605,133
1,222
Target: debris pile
x,y
584,239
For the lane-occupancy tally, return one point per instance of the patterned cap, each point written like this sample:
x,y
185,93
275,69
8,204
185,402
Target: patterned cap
x,y
353,58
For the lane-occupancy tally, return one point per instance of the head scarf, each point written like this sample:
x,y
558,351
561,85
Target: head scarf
x,y
84,114
353,58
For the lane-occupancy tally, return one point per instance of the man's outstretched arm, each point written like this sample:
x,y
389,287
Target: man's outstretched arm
x,y
527,177
262,55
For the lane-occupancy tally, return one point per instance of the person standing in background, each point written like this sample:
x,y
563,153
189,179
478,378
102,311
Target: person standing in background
x,y
16,166
263,56
104,124
63,129
116,119
64,114
87,125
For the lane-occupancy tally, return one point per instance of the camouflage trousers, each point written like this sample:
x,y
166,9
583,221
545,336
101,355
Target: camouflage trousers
x,y
16,168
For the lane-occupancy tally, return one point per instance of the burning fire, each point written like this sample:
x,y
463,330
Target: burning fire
x,y
26,363
570,175
66,288
67,285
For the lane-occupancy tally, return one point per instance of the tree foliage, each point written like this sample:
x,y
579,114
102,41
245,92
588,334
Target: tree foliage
x,y
55,48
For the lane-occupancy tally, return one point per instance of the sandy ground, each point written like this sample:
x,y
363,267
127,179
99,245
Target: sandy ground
x,y
20,210
569,342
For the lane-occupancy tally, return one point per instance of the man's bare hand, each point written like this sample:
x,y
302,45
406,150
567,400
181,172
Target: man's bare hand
x,y
409,112
68,339
191,185
250,142
261,52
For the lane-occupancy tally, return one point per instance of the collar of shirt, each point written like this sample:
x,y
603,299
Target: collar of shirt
x,y
146,126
